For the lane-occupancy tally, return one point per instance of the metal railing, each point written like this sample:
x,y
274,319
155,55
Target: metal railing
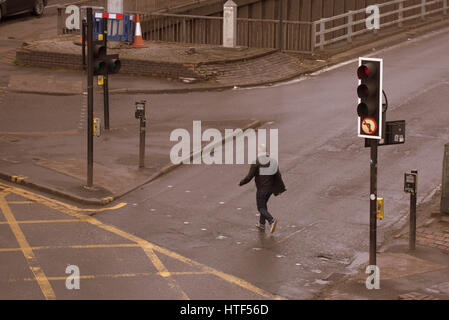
x,y
141,6
182,28
298,36
346,31
255,33
264,33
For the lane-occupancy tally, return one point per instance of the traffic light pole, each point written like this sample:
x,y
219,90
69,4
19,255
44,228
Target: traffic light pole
x,y
373,203
90,100
412,235
83,42
105,79
143,122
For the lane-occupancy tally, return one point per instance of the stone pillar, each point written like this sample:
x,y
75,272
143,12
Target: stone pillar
x,y
115,6
230,24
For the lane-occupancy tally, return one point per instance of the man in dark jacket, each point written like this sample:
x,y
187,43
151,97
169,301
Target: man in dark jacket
x,y
268,181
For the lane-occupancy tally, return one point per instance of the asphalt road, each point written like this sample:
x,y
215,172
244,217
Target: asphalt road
x,y
185,234
325,213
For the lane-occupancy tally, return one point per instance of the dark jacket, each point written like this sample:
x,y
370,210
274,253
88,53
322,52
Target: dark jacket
x,y
273,183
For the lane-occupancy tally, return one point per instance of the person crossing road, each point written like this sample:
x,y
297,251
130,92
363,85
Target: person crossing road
x,y
268,179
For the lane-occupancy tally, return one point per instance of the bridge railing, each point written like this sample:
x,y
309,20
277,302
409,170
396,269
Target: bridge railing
x,y
396,12
298,36
182,28
141,6
255,33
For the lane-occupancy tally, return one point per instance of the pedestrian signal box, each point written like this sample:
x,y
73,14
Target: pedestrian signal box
x,y
410,182
380,208
97,127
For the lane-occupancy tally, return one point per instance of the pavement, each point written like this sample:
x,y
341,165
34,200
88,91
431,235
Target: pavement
x,y
420,274
116,169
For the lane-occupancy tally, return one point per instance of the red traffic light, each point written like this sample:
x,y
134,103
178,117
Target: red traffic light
x,y
363,72
366,71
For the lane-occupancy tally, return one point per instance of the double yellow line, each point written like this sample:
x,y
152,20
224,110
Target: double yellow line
x,y
39,274
149,248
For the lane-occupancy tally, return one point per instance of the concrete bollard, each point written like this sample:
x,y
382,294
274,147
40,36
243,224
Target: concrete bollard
x,y
230,24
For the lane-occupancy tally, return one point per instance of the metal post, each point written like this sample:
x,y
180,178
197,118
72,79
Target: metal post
x,y
401,13
184,30
350,26
142,142
322,26
313,37
412,234
373,203
105,79
90,99
60,22
423,9
281,16
83,42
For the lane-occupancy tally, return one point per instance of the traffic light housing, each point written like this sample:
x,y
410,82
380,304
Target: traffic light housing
x,y
104,64
113,63
99,52
369,92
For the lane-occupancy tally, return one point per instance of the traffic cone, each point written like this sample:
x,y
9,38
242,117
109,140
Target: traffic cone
x,y
138,40
80,41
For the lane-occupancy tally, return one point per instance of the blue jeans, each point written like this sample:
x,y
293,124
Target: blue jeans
x,y
262,197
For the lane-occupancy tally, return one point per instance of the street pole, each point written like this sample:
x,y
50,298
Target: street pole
x,y
140,114
373,202
281,13
90,99
83,44
142,142
412,235
105,79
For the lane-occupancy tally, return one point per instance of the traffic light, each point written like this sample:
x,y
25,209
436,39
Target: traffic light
x,y
99,51
113,63
104,64
369,91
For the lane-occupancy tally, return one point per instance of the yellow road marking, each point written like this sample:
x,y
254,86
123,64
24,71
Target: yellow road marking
x,y
148,246
39,133
118,275
20,202
163,272
43,221
84,246
117,206
18,178
39,274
